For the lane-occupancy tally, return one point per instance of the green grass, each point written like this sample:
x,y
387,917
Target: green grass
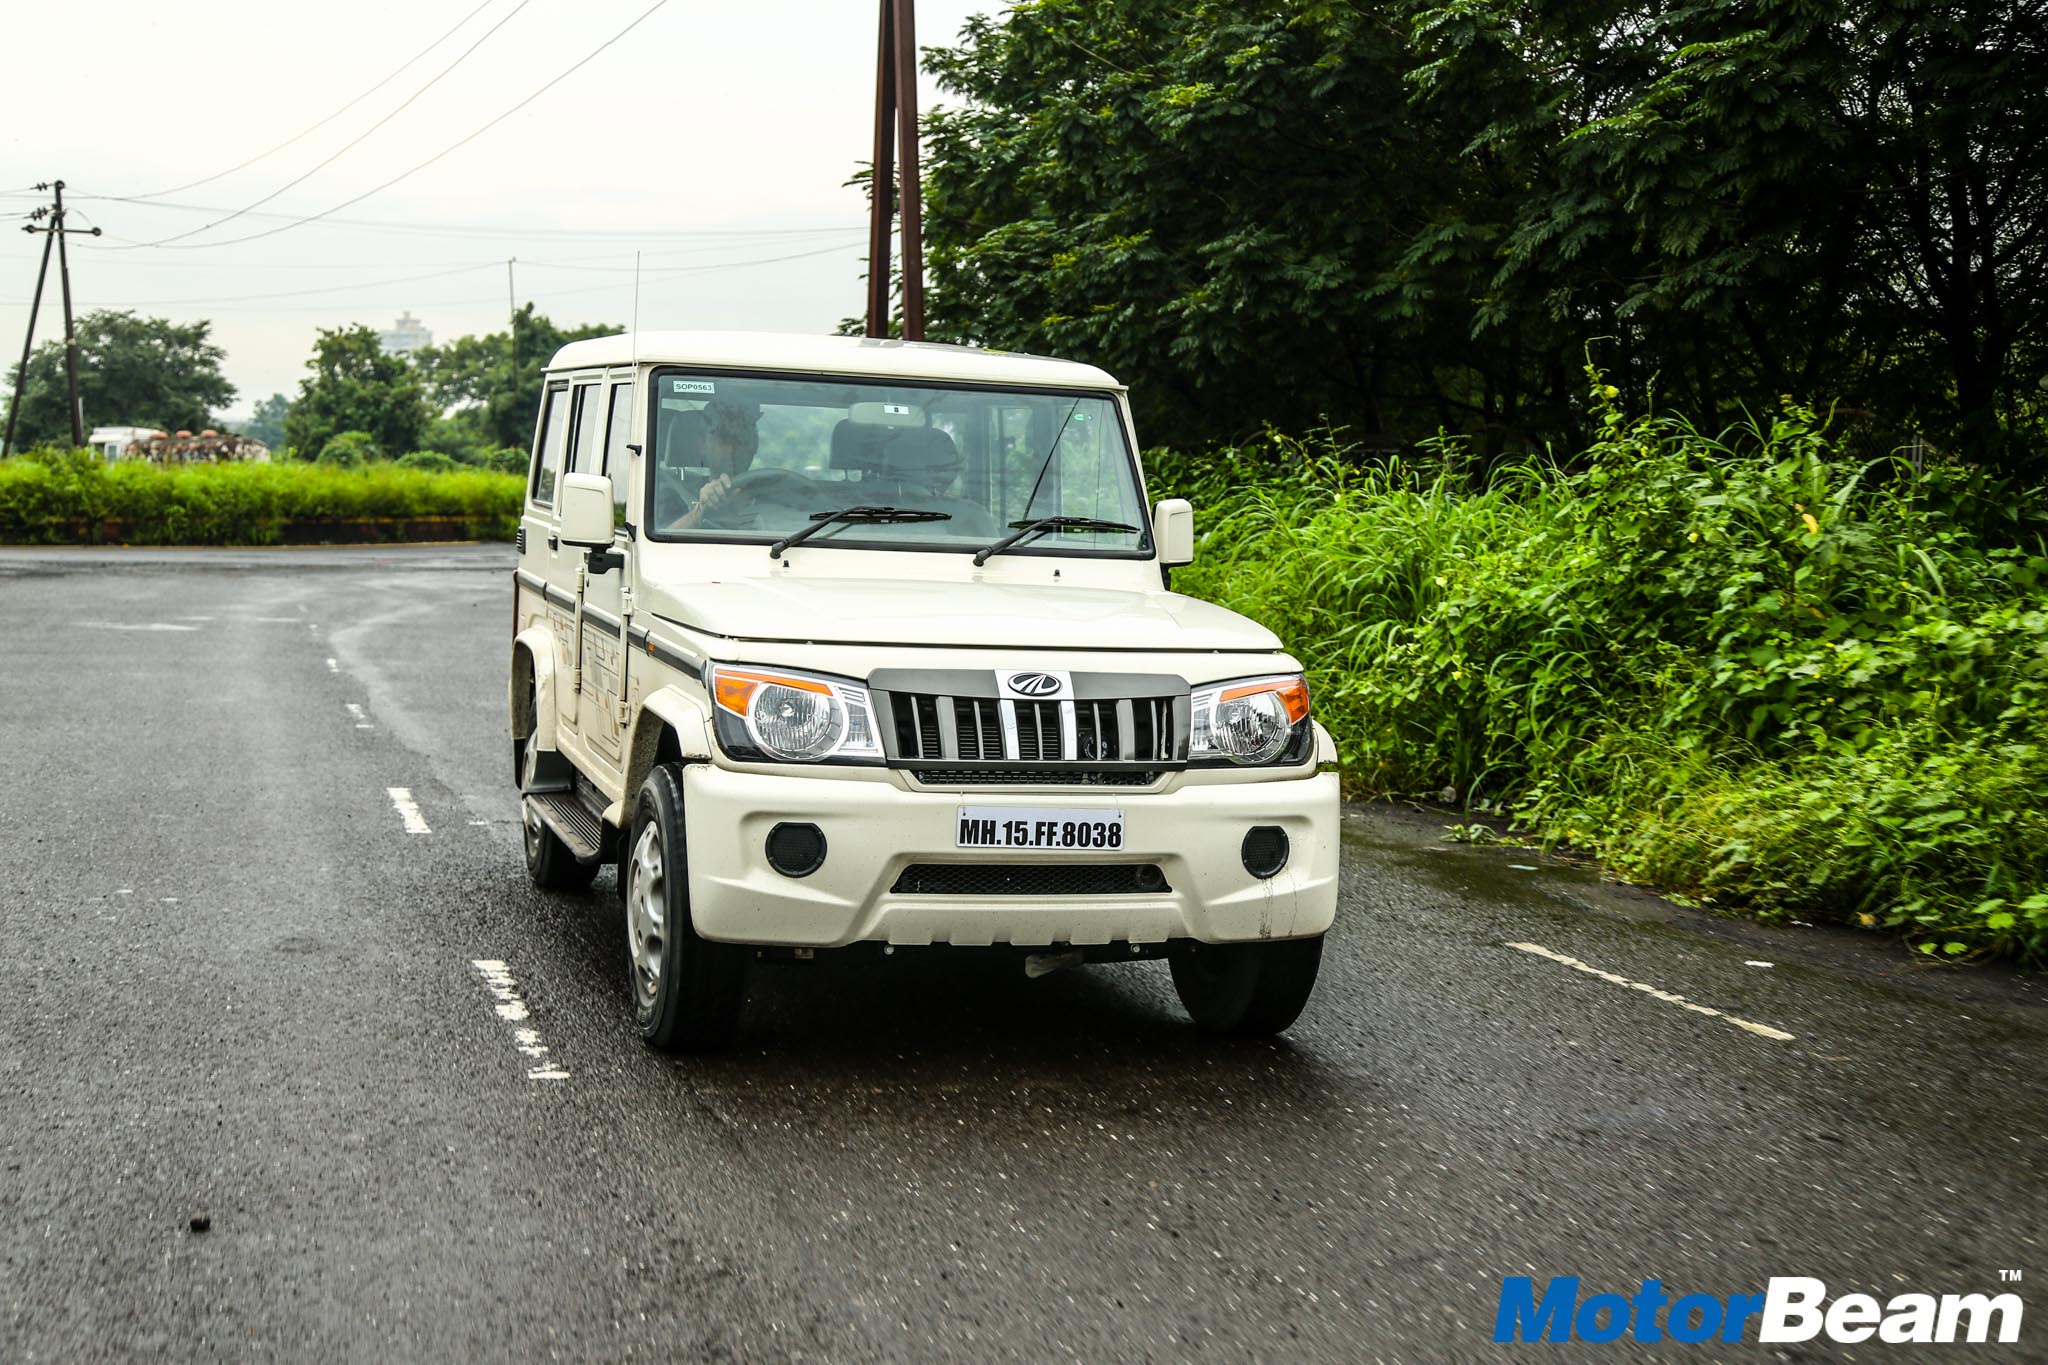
x,y
1743,667
55,498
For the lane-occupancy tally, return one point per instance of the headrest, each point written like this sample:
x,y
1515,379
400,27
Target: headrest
x,y
914,450
858,445
682,439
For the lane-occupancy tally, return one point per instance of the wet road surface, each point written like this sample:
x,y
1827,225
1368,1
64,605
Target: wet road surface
x,y
233,984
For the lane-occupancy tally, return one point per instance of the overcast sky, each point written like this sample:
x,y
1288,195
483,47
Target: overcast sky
x,y
714,138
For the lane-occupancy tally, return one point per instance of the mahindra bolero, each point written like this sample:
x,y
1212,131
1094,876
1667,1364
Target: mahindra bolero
x,y
823,642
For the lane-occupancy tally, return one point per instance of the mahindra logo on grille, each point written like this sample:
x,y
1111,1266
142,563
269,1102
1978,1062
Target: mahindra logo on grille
x,y
1034,684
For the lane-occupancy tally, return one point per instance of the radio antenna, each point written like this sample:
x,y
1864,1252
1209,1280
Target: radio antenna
x,y
636,308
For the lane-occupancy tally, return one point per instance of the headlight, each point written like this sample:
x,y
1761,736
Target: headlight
x,y
774,714
1254,720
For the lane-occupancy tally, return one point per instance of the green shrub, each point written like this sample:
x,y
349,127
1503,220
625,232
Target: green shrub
x,y
350,448
1742,666
70,497
428,459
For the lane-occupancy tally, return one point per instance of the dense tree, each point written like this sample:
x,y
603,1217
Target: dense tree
x,y
1204,197
132,371
355,387
267,423
1412,215
482,383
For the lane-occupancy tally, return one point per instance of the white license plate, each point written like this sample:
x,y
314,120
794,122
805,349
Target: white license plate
x,y
1039,827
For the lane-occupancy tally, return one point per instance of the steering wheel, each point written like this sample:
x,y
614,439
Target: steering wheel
x,y
756,482
736,509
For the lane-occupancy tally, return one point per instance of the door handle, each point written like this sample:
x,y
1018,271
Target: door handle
x,y
554,541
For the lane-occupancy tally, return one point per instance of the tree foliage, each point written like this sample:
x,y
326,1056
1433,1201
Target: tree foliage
x,y
1406,216
355,387
484,384
266,424
132,371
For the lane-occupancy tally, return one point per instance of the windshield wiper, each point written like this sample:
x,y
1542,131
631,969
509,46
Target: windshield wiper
x,y
1030,528
820,520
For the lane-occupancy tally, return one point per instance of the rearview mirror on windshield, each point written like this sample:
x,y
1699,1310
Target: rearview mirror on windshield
x,y
1173,531
586,503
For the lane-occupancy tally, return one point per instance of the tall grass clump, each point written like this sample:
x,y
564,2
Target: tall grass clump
x,y
66,497
1740,665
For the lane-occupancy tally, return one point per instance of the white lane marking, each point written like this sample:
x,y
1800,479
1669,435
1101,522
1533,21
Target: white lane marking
x,y
1752,962
479,822
125,891
1761,1030
362,723
333,667
408,810
129,625
498,980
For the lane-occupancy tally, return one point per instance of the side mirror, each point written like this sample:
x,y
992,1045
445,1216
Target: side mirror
x,y
586,508
1173,531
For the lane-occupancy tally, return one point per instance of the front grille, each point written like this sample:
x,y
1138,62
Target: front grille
x,y
1031,879
1107,721
1042,777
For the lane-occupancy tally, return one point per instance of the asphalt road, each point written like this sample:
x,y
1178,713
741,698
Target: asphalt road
x,y
233,985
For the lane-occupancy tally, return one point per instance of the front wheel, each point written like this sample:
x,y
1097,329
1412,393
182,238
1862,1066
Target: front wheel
x,y
1251,990
687,991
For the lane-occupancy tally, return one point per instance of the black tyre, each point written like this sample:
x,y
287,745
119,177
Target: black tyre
x,y
548,860
1250,990
687,991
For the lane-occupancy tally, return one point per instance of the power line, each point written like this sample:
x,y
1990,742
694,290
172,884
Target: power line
x,y
340,151
322,289
482,229
408,64
709,268
453,146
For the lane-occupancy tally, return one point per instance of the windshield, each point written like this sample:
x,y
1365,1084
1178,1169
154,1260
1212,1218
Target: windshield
x,y
752,458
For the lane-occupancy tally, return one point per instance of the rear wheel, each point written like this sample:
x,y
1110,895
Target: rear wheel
x,y
1250,990
687,991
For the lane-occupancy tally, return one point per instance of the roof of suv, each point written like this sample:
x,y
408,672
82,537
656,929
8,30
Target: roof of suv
x,y
879,357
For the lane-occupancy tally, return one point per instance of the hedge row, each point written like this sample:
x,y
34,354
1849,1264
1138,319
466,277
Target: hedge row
x,y
71,498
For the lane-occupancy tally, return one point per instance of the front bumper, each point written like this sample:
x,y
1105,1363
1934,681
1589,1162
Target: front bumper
x,y
874,829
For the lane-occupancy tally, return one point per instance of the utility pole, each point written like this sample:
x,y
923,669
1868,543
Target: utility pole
x,y
27,344
896,128
56,231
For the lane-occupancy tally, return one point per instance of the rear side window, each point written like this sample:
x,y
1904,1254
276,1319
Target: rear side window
x,y
587,441
547,448
618,460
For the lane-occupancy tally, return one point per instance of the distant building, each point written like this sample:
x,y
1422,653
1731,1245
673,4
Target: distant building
x,y
404,337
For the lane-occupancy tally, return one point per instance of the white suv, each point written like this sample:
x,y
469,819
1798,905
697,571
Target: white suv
x,y
829,641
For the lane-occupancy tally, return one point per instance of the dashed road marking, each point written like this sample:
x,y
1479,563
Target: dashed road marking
x,y
355,710
512,1009
132,625
408,810
333,667
1761,1030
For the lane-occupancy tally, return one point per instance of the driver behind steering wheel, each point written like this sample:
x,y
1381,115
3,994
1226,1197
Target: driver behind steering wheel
x,y
731,438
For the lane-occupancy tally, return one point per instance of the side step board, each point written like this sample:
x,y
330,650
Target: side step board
x,y
573,824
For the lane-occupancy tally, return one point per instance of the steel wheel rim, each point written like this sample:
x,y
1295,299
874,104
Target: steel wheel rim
x,y
647,912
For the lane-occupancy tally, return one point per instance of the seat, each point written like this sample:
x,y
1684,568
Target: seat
x,y
680,446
